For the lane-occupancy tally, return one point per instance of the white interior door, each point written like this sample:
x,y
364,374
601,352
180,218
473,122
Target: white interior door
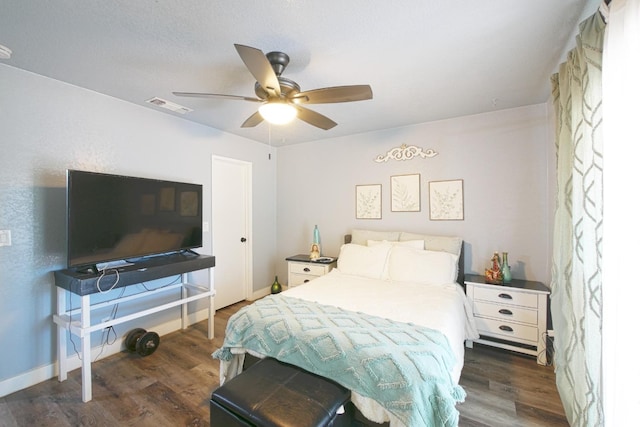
x,y
231,231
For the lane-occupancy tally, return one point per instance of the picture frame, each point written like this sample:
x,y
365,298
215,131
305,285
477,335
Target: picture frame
x,y
446,200
369,201
167,199
148,204
405,193
188,203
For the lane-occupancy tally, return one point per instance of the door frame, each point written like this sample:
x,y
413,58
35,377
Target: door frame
x,y
247,175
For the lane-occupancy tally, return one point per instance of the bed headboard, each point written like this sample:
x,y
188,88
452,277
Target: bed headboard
x,y
441,243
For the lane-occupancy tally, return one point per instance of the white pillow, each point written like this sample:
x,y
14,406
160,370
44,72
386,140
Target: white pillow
x,y
428,267
365,261
415,244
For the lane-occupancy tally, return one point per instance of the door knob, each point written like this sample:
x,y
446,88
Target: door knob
x,y
242,239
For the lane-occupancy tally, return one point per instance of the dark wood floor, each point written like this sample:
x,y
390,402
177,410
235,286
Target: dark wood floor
x,y
172,387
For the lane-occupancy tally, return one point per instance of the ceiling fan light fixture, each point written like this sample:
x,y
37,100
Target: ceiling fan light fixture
x,y
280,97
278,113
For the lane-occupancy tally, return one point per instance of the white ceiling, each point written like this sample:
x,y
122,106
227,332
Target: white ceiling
x,y
424,59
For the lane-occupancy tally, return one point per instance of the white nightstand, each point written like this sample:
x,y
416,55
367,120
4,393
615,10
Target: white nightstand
x,y
301,269
512,316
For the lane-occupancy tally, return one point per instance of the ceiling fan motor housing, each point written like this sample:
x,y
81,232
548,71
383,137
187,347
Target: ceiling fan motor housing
x,y
278,61
288,88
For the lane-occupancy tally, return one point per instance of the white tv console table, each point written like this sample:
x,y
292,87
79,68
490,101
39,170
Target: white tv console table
x,y
78,321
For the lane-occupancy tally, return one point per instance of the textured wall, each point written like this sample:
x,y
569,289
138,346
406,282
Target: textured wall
x,y
47,127
502,157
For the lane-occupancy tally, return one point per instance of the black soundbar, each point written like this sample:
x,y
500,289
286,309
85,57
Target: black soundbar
x,y
85,282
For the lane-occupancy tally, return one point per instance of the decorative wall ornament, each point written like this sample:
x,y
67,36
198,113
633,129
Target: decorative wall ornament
x,y
406,152
369,201
446,200
405,193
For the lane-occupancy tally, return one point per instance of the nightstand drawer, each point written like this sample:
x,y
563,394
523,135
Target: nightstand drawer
x,y
307,269
506,312
501,295
507,330
299,279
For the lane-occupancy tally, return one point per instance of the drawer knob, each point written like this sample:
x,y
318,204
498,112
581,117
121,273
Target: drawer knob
x,y
306,280
505,296
506,328
505,311
307,269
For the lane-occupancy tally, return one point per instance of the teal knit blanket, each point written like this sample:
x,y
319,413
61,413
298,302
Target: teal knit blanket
x,y
404,367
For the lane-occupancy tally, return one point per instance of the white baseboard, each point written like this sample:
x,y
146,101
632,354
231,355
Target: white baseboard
x,y
261,293
46,372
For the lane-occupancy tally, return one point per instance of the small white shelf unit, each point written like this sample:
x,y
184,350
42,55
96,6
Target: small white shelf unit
x,y
301,269
512,316
79,321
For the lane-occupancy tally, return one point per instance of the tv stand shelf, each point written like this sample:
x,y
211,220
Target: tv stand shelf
x,y
85,284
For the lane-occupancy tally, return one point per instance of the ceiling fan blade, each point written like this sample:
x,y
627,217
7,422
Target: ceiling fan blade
x,y
260,68
216,95
315,119
329,95
254,120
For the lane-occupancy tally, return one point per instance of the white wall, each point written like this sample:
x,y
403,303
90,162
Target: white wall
x,y
47,127
503,158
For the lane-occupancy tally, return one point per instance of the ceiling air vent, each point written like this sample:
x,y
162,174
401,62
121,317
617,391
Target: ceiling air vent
x,y
5,52
163,103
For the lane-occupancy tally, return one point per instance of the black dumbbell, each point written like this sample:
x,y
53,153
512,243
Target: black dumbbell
x,y
142,342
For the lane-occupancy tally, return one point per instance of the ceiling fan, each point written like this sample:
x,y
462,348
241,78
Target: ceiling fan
x,y
280,97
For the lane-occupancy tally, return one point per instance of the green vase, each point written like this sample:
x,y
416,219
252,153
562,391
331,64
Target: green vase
x,y
506,270
276,288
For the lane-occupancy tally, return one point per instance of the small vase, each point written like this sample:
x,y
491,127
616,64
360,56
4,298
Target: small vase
x,y
506,270
316,239
276,288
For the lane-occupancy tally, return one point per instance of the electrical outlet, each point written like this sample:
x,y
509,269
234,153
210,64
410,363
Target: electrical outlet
x,y
5,237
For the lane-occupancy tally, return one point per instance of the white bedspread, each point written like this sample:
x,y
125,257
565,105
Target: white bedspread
x,y
440,307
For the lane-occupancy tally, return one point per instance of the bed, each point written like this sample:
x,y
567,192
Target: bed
x,y
389,323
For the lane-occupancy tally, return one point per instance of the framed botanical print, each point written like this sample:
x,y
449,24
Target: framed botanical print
x,y
369,201
446,200
405,193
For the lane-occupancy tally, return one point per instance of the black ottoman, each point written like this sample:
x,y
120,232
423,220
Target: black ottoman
x,y
272,393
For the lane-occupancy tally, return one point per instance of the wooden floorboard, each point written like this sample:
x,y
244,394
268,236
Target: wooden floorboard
x,y
172,386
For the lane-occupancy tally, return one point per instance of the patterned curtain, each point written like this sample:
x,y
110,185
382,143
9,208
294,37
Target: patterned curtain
x,y
576,297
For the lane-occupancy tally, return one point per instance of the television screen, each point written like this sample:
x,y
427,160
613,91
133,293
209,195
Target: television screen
x,y
112,217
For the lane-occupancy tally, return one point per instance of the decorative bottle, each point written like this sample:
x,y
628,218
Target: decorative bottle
x,y
316,239
276,288
506,270
494,274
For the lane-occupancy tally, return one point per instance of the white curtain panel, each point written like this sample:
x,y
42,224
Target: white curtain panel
x,y
576,297
620,95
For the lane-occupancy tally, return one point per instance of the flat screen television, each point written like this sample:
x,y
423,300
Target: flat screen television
x,y
125,218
